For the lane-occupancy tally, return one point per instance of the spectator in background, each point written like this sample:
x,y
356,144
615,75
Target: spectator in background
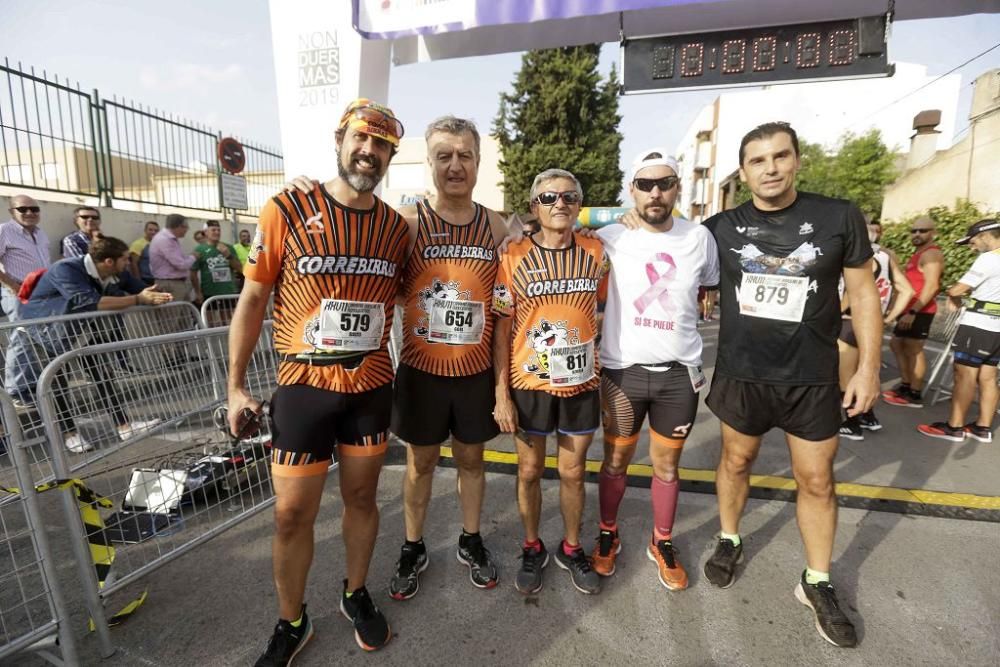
x,y
24,247
139,253
97,281
88,227
213,273
169,263
199,237
243,247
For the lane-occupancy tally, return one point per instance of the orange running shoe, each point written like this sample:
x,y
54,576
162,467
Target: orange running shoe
x,y
607,548
672,574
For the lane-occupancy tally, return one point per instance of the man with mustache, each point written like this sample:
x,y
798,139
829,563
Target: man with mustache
x,y
333,258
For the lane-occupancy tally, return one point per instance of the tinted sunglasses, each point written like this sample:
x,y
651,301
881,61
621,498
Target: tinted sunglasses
x,y
914,230
375,117
27,209
569,198
647,184
89,217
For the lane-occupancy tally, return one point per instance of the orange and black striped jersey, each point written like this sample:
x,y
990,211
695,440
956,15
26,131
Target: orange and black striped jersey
x,y
336,272
448,288
552,295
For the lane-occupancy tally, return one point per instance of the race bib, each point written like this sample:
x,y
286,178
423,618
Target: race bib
x,y
458,322
773,297
221,275
571,365
351,326
697,378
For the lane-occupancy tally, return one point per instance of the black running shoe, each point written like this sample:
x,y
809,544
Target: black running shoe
x,y
831,623
529,577
977,432
371,630
286,642
584,578
472,553
851,429
406,582
869,421
720,569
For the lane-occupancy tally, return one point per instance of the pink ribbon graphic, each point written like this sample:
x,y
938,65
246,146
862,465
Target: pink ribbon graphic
x,y
658,283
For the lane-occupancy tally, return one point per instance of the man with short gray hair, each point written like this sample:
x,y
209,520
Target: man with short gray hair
x,y
24,248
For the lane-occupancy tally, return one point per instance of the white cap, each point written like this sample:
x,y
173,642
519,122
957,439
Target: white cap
x,y
641,162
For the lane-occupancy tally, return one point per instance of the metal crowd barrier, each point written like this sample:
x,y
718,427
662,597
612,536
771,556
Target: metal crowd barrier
x,y
172,476
217,311
941,375
32,609
28,346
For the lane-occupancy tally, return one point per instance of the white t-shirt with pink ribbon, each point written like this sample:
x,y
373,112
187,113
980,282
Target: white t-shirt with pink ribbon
x,y
652,310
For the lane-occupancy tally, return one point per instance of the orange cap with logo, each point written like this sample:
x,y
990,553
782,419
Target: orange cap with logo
x,y
372,118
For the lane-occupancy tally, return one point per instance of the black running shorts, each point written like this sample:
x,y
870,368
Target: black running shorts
x,y
629,394
810,412
976,347
921,327
847,332
427,408
308,423
541,413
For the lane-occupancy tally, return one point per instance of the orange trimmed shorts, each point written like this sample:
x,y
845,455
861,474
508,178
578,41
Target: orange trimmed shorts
x,y
629,394
307,423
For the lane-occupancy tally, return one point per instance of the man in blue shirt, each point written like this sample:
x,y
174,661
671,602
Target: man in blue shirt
x,y
98,280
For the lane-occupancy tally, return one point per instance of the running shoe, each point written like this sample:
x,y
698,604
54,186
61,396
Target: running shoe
x,y
831,623
406,582
907,398
472,553
943,430
76,444
529,577
286,642
607,548
869,421
851,429
672,574
371,630
720,569
977,432
581,573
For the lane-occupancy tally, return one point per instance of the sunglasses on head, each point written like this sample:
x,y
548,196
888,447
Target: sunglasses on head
x,y
647,184
27,209
914,230
375,117
569,197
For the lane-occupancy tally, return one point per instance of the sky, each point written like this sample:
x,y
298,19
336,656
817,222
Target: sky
x,y
210,62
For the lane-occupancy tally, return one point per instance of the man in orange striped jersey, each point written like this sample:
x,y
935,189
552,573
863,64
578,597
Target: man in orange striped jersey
x,y
333,257
547,290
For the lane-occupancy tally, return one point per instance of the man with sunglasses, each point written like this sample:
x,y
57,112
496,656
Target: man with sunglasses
x,y
546,294
88,223
24,248
924,270
333,258
651,355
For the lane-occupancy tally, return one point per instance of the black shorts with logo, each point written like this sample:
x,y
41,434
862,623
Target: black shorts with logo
x,y
427,408
541,413
976,347
921,327
629,394
810,412
308,422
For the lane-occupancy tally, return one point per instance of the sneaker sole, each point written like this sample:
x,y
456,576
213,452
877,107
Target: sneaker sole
x,y
357,637
400,597
732,579
853,436
573,581
659,575
540,582
492,583
942,436
986,439
800,595
873,427
302,643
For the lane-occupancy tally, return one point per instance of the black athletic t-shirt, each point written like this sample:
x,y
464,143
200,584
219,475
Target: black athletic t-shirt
x,y
779,275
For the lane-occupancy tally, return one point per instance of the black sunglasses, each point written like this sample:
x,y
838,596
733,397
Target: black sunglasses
x,y
27,209
647,184
89,217
914,230
569,198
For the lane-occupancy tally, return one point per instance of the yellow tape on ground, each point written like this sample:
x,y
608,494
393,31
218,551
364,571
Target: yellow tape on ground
x,y
847,489
102,554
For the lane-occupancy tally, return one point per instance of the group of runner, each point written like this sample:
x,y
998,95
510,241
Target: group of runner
x,y
507,342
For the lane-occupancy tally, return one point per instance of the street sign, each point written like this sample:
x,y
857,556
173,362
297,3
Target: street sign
x,y
231,155
847,49
234,192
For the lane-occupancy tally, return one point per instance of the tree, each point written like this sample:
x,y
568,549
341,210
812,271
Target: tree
x,y
560,114
859,170
950,225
